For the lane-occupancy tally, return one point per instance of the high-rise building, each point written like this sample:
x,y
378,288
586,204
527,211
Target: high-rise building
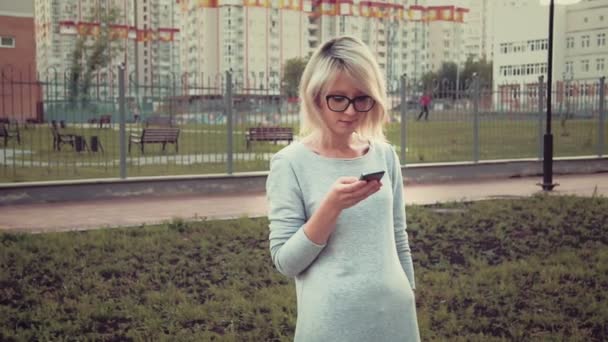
x,y
447,39
144,35
252,39
478,35
396,31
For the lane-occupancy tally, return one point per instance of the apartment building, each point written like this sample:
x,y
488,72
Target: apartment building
x,y
468,33
396,31
251,38
254,38
145,33
478,35
447,39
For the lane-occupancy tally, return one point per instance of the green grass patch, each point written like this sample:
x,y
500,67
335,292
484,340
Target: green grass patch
x,y
445,138
500,270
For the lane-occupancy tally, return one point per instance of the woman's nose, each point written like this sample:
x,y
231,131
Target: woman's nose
x,y
350,110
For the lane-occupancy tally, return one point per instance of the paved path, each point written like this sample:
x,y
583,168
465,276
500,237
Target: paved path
x,y
136,211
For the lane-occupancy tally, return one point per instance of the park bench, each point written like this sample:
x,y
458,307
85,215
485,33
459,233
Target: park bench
x,y
105,119
273,134
9,130
162,136
61,138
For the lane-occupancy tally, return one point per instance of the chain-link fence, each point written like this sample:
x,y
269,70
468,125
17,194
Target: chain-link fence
x,y
112,126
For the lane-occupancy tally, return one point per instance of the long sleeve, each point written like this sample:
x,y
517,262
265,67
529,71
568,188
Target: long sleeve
x,y
290,249
401,239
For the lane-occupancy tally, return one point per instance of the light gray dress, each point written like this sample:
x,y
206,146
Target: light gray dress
x,y
358,286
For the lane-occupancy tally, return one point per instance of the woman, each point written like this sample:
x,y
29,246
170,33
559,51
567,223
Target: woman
x,y
343,239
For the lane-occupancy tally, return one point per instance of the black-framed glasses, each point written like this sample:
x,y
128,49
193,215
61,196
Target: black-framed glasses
x,y
339,103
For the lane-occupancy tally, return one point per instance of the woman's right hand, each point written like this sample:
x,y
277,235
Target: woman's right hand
x,y
344,193
348,191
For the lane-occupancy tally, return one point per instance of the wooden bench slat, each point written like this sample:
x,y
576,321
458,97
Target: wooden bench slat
x,y
156,136
274,134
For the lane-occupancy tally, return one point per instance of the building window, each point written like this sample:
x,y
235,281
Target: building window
x,y
599,64
569,68
503,48
585,65
7,42
570,42
601,39
585,41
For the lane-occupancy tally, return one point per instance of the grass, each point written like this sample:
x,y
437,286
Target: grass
x,y
501,270
443,139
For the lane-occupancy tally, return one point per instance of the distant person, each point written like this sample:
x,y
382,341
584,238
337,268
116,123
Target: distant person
x,y
342,238
425,102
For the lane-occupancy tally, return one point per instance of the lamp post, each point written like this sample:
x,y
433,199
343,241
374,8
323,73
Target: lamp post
x,y
547,184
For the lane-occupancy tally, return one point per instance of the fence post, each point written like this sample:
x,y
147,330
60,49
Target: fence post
x,y
541,103
121,119
229,128
476,91
600,139
403,112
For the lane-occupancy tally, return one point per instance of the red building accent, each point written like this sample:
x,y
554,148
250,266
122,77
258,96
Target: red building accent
x,y
20,95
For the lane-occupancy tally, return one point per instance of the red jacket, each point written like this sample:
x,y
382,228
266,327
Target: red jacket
x,y
425,100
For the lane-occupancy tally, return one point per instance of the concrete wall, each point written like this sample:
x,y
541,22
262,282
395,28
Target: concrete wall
x,y
45,192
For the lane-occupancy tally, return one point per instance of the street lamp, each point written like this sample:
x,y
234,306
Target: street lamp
x,y
547,183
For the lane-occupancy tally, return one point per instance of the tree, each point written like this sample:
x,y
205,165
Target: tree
x,y
92,52
442,82
483,68
428,80
292,73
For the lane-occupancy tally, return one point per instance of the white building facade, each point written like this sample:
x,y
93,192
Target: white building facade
x,y
580,51
586,47
520,51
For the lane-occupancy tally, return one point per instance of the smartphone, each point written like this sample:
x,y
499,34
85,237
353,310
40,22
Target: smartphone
x,y
372,176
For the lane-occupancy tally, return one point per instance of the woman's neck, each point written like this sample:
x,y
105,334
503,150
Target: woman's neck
x,y
347,147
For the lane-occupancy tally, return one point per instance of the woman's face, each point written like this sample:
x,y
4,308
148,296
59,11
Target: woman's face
x,y
344,106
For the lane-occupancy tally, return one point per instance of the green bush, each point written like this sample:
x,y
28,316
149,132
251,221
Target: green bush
x,y
503,270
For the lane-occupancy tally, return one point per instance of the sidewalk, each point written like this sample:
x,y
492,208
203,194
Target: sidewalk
x,y
136,211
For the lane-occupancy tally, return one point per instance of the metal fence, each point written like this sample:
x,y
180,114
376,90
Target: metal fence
x,y
54,128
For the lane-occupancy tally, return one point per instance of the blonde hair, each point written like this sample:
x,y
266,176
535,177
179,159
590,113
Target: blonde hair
x,y
349,55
